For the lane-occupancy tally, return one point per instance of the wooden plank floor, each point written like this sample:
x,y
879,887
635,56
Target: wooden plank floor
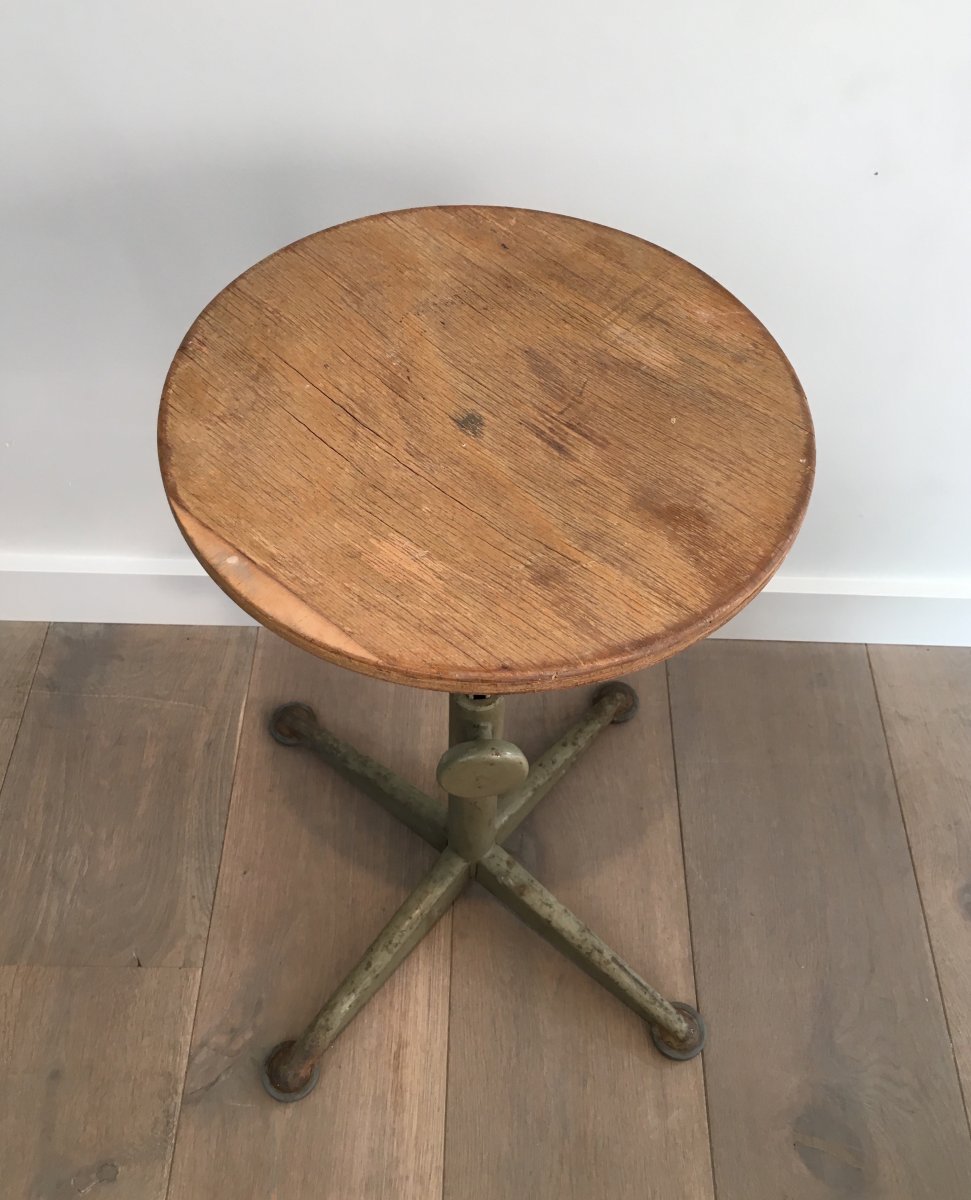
x,y
112,816
812,958
311,871
925,695
784,832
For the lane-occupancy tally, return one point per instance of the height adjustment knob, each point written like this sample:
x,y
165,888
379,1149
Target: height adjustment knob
x,y
487,767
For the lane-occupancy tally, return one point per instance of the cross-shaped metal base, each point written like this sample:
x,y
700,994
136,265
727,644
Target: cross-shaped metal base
x,y
491,790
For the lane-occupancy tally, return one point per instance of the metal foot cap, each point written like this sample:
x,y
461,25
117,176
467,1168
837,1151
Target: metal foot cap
x,y
266,1076
630,707
280,722
697,1035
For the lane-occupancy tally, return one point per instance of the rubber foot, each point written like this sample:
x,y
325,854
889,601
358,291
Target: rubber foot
x,y
270,1087
281,730
629,710
682,1051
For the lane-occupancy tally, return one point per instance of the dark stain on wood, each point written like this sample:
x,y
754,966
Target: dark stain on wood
x,y
589,433
829,1145
673,514
548,439
550,375
545,575
88,1179
472,423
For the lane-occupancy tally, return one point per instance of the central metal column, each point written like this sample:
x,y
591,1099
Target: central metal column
x,y
478,767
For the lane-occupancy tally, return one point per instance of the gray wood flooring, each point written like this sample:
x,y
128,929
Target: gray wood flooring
x,y
783,834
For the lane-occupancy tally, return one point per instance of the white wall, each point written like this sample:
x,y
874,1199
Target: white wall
x,y
815,157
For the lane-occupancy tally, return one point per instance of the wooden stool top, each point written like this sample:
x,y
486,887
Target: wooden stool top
x,y
484,449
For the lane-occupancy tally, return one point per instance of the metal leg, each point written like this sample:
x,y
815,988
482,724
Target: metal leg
x,y
470,718
296,725
291,1069
491,790
676,1027
613,703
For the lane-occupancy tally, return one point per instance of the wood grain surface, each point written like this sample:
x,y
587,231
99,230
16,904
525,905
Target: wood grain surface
x,y
829,1070
311,871
91,1067
20,646
925,696
484,449
555,1091
113,808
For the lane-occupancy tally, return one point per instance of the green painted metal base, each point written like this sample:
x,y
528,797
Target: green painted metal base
x,y
491,790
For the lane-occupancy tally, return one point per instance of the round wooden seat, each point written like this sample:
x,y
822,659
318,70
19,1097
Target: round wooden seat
x,y
484,449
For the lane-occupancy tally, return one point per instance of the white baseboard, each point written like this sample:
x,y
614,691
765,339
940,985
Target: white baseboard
x,y
176,591
784,616
126,591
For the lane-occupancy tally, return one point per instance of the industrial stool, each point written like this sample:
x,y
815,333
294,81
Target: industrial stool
x,y
483,451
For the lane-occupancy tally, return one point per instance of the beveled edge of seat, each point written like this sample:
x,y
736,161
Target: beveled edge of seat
x,y
263,598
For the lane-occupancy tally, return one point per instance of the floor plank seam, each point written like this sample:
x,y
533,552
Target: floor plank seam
x,y
30,688
920,895
687,901
162,701
448,1045
244,706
